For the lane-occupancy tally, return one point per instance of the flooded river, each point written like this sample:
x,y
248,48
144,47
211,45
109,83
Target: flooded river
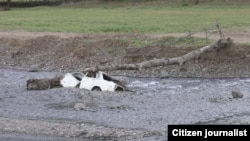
x,y
154,104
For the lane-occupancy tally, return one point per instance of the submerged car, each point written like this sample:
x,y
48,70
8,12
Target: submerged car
x,y
94,81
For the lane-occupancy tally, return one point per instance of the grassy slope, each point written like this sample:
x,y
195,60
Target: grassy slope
x,y
151,19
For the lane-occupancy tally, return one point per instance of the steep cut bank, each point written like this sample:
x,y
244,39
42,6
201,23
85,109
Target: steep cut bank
x,y
75,52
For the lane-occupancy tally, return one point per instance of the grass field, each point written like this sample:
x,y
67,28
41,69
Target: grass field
x,y
150,19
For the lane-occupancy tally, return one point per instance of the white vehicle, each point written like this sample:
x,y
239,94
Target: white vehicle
x,y
98,81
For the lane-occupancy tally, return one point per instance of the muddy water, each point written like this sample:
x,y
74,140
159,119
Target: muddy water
x,y
154,104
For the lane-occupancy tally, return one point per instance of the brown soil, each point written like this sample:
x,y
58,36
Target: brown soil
x,y
74,52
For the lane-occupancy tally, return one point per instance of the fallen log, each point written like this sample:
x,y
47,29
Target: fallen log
x,y
43,84
222,43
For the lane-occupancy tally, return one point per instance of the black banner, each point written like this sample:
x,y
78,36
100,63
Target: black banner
x,y
208,132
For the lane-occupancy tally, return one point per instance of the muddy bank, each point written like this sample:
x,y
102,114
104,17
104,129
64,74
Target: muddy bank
x,y
75,52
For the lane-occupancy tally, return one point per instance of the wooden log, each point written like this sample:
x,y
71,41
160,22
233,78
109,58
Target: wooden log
x,y
44,84
222,43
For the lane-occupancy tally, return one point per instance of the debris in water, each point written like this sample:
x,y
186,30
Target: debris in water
x,y
43,84
236,93
79,106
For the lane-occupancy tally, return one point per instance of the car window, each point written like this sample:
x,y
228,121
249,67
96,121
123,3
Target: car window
x,y
78,76
106,77
91,74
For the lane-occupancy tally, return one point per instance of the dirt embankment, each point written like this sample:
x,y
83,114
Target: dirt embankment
x,y
74,52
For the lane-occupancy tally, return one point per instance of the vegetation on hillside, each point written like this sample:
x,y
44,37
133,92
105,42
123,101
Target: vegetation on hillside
x,y
30,3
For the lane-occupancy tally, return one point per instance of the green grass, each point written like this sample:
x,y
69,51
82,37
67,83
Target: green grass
x,y
150,19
